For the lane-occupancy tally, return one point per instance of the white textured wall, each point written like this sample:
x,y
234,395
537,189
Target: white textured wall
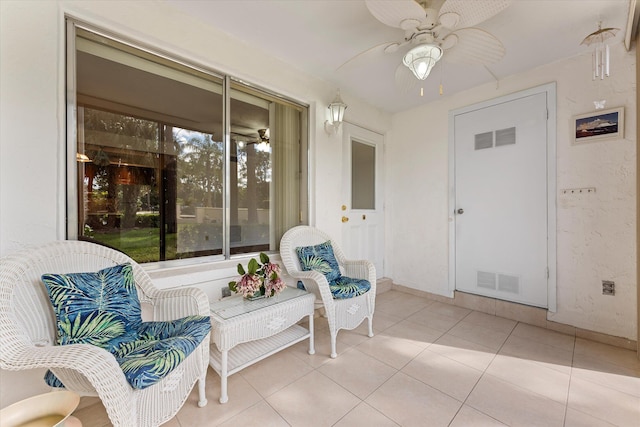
x,y
596,233
32,117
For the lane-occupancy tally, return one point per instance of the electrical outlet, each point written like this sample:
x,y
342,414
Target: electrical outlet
x,y
226,292
608,287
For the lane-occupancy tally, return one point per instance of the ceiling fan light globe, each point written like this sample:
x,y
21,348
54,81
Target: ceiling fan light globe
x,y
421,59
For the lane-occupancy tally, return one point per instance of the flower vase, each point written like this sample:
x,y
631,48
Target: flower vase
x,y
256,295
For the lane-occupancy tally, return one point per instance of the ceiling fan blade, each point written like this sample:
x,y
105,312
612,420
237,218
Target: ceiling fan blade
x,y
473,12
474,46
375,51
394,12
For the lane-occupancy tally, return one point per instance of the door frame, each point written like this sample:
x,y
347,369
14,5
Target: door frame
x,y
550,90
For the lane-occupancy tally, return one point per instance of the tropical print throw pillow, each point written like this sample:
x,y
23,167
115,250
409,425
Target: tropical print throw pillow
x,y
319,258
100,308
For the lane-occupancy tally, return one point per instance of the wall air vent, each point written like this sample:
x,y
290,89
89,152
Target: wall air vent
x,y
483,140
505,137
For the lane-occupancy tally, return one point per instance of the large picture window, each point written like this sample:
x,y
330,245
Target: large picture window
x,y
175,162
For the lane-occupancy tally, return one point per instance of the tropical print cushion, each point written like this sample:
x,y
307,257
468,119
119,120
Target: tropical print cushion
x,y
156,350
103,309
100,308
159,348
319,258
346,287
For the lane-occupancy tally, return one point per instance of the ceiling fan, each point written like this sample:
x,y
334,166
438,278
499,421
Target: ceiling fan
x,y
437,28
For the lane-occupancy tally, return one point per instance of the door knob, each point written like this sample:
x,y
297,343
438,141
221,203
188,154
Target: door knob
x,y
460,211
345,219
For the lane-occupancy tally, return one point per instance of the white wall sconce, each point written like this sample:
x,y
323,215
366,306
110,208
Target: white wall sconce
x,y
336,112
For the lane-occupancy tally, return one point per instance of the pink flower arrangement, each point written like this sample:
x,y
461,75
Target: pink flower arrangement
x,y
260,278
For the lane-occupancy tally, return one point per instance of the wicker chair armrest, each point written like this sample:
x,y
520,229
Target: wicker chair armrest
x,y
85,358
171,304
316,283
361,269
97,365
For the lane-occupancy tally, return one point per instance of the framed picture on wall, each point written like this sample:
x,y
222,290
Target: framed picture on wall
x,y
598,125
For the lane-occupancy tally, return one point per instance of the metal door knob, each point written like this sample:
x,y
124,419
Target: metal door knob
x,y
460,211
345,219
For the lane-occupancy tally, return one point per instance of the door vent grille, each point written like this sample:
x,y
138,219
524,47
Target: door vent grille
x,y
498,281
486,280
483,140
505,137
508,283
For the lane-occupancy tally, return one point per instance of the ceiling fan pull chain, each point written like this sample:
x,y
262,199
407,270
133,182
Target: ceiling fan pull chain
x,y
441,74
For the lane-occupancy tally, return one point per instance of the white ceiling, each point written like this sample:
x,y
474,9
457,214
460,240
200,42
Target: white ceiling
x,y
318,36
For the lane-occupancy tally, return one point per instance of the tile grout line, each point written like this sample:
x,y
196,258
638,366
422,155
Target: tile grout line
x,y
566,406
483,374
354,347
397,370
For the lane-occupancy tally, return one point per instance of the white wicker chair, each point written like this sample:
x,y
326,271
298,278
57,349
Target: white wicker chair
x,y
341,313
28,333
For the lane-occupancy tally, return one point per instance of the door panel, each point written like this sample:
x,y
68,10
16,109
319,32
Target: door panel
x,y
362,211
501,200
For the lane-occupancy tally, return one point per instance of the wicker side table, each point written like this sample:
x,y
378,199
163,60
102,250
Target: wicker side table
x,y
245,332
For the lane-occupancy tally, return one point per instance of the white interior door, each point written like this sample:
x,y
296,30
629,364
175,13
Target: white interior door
x,y
362,209
501,210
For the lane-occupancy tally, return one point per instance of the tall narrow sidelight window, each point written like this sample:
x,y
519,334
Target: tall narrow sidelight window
x,y
151,155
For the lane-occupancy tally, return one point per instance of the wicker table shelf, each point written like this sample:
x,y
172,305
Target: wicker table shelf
x,y
245,332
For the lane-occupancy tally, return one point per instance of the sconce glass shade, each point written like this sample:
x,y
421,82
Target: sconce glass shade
x,y
336,109
101,158
421,59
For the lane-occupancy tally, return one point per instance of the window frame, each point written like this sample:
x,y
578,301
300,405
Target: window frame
x,y
71,144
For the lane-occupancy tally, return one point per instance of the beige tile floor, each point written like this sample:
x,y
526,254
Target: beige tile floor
x,y
429,364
